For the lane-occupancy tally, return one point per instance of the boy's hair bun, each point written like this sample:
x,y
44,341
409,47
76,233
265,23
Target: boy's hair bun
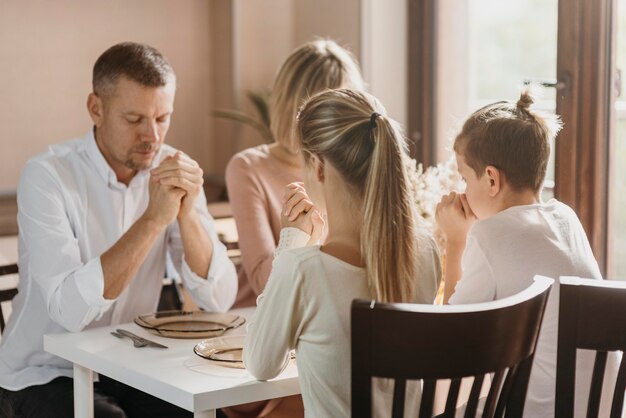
x,y
525,100
513,138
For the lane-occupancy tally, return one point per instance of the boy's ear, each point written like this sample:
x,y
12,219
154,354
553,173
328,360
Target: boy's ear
x,y
495,178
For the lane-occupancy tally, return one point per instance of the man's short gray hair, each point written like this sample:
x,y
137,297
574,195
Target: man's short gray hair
x,y
139,62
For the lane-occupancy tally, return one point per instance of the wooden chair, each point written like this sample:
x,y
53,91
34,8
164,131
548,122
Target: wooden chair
x,y
592,316
6,294
171,298
427,342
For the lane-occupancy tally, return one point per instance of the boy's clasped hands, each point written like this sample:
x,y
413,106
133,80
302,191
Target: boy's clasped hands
x,y
455,217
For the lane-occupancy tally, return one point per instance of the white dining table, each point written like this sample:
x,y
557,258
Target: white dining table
x,y
176,374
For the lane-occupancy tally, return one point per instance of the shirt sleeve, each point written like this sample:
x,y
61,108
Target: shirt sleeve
x,y
50,256
477,282
291,238
217,291
273,331
251,212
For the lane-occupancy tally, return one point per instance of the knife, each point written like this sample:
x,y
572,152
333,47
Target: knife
x,y
139,339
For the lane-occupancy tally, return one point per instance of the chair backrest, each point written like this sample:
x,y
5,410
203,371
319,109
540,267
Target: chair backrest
x,y
6,294
427,342
171,298
592,316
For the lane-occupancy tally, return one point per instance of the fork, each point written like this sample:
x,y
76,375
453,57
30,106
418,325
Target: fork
x,y
135,341
139,341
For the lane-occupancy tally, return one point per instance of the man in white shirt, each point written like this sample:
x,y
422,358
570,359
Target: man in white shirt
x,y
97,217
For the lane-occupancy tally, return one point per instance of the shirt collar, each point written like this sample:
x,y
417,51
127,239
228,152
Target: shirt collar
x,y
100,164
103,168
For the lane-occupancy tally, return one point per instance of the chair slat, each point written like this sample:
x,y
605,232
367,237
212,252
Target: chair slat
x,y
361,376
618,396
505,391
8,269
472,403
453,397
6,294
515,403
428,399
569,307
399,391
597,378
492,397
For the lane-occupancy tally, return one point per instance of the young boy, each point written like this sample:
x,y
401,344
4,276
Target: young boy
x,y
500,234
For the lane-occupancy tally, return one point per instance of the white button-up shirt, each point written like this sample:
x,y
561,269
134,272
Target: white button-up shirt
x,y
71,209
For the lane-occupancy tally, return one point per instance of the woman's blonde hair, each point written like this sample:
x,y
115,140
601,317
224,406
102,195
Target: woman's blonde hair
x,y
350,130
311,68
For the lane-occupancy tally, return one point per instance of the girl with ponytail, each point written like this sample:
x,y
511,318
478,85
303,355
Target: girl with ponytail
x,y
354,177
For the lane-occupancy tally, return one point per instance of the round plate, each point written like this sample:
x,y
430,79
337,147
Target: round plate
x,y
189,324
226,351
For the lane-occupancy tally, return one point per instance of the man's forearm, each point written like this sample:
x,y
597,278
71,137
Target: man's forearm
x,y
454,252
197,245
121,262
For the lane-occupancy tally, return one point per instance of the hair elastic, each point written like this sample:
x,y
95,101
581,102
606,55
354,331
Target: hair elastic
x,y
373,120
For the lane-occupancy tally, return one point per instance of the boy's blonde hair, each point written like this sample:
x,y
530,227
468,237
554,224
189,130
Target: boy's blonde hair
x,y
350,131
310,69
511,138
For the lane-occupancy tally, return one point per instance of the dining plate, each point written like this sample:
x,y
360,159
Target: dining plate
x,y
226,351
189,324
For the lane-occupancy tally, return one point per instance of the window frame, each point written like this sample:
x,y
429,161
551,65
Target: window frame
x,y
586,63
422,82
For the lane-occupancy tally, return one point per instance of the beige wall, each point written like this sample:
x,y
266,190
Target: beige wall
x,y
219,48
384,40
264,33
338,20
47,50
263,38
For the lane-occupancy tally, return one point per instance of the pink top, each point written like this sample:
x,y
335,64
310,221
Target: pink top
x,y
256,180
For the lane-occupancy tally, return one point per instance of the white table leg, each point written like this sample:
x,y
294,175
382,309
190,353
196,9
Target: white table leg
x,y
83,392
205,414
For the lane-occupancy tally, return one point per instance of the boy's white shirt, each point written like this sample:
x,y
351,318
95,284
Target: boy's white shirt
x,y
502,255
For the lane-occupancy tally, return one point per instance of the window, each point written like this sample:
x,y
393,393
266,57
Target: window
x,y
479,51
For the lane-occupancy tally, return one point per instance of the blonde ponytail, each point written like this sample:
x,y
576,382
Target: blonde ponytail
x,y
350,130
388,242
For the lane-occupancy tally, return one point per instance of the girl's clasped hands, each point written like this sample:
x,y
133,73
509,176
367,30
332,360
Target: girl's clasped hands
x,y
299,212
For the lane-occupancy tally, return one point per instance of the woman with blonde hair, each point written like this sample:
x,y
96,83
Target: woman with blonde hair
x,y
256,177
354,173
